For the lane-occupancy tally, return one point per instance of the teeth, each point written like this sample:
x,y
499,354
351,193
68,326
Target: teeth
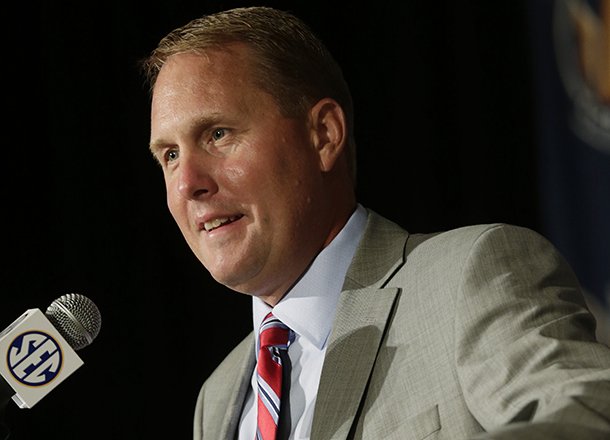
x,y
213,224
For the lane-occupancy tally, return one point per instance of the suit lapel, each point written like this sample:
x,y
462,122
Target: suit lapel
x,y
235,384
362,314
357,334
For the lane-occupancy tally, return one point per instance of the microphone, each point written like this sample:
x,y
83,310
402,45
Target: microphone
x,y
38,350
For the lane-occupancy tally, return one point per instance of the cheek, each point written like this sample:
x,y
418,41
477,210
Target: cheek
x,y
235,174
173,201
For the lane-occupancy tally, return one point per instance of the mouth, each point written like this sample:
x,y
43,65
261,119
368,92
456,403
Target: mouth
x,y
216,223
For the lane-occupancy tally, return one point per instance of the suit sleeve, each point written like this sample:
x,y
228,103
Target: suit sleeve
x,y
528,362
198,417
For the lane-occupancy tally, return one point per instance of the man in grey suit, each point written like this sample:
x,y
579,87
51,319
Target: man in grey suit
x,y
478,332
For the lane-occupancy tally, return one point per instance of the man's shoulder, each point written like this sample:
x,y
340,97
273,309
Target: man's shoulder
x,y
389,242
465,233
475,244
478,234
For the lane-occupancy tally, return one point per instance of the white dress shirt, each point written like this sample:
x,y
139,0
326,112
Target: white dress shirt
x,y
309,310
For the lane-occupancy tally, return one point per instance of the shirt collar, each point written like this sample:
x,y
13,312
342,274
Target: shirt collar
x,y
309,307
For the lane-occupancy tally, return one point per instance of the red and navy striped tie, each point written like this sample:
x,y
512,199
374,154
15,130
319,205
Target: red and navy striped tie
x,y
273,337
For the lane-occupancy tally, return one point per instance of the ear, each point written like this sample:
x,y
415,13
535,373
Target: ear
x,y
329,131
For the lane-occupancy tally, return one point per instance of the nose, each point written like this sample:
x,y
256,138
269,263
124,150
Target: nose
x,y
195,180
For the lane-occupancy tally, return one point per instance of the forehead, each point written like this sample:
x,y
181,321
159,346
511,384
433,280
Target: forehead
x,y
205,78
230,63
215,85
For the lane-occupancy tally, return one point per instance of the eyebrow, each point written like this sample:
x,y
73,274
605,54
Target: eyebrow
x,y
156,146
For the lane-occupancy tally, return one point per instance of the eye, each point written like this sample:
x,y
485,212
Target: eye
x,y
219,141
218,134
171,155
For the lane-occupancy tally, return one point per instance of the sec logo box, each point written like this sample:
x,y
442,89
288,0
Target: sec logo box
x,y
34,358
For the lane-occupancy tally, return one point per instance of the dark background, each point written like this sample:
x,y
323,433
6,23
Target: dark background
x,y
444,114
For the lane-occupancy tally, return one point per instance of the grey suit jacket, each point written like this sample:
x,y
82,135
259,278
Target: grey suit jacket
x,y
478,332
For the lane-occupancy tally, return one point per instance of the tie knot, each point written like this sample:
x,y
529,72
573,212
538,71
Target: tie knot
x,y
274,333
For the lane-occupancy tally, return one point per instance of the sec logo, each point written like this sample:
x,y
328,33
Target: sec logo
x,y
34,358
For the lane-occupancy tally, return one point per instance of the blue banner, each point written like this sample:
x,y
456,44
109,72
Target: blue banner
x,y
571,63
